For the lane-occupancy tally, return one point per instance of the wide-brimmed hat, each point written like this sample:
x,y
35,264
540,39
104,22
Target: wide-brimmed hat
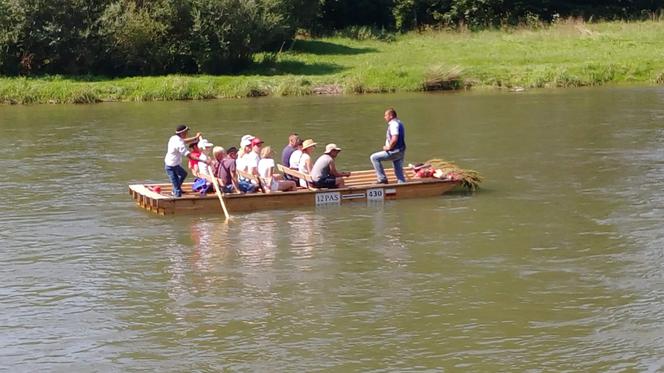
x,y
181,129
331,147
308,143
204,144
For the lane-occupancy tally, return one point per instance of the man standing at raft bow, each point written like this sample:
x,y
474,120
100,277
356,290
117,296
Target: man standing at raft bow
x,y
394,149
177,148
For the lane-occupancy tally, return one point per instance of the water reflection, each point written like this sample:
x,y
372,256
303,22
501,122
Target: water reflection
x,y
556,265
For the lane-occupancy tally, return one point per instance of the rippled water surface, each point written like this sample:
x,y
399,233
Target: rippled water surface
x,y
556,265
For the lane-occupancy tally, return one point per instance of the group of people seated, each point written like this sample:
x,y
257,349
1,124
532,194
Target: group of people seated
x,y
251,167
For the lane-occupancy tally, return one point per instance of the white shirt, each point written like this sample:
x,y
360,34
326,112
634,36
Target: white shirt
x,y
392,129
240,163
264,165
203,167
294,160
302,167
251,160
176,150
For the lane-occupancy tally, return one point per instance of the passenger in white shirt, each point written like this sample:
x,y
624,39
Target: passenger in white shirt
x,y
266,171
294,159
305,163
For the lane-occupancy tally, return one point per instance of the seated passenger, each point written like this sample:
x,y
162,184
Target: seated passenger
x,y
218,154
324,172
203,183
244,142
227,174
274,182
294,159
304,166
193,161
248,163
293,139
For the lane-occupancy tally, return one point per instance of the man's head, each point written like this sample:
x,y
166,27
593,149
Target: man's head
x,y
182,130
332,150
390,114
256,144
232,152
218,152
293,138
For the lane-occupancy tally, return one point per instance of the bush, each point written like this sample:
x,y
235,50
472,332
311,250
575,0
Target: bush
x,y
136,37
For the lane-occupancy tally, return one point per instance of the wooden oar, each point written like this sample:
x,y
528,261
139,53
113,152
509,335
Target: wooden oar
x,y
221,198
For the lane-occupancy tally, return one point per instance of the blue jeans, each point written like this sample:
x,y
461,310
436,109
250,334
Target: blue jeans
x,y
397,159
176,174
246,186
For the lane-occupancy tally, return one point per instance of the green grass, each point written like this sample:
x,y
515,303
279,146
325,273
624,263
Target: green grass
x,y
568,54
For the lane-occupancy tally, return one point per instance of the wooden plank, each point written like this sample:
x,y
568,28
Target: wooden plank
x,y
298,175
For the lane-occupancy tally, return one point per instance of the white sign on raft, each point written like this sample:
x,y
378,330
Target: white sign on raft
x,y
328,198
375,194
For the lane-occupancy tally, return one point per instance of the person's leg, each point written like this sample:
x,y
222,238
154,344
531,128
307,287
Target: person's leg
x,y
174,178
398,167
182,174
376,159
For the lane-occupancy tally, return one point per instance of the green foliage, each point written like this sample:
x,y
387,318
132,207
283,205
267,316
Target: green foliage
x,y
139,37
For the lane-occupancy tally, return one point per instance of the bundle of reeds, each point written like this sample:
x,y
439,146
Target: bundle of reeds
x,y
438,77
470,179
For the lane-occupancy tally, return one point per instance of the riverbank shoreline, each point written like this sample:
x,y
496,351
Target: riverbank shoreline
x,y
567,54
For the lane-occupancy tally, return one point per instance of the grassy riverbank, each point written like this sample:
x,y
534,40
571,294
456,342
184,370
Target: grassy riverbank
x,y
567,54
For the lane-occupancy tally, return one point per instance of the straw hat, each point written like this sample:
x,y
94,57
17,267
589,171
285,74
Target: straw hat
x,y
308,143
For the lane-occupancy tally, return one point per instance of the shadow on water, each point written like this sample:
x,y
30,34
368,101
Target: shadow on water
x,y
327,48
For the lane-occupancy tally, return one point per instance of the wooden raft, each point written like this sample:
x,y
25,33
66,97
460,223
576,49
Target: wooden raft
x,y
360,186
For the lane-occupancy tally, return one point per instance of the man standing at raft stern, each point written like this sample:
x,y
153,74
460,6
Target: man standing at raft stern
x,y
394,149
177,148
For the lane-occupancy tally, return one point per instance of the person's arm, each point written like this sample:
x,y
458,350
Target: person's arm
x,y
268,177
234,181
393,142
307,165
335,173
207,161
192,139
254,170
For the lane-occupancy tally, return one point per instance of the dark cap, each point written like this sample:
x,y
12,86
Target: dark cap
x,y
181,129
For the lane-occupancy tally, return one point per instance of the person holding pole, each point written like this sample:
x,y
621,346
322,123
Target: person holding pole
x,y
177,148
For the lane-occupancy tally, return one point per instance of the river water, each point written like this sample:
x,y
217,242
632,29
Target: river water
x,y
557,264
